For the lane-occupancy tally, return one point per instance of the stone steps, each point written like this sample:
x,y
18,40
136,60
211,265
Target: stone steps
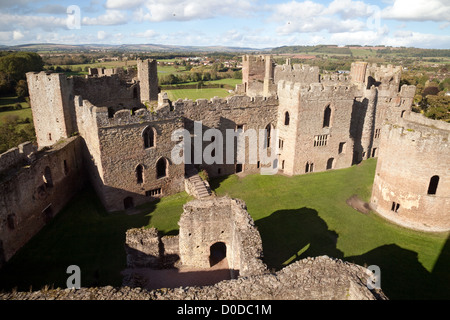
x,y
202,190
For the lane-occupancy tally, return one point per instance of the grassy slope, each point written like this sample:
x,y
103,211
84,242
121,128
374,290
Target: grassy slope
x,y
297,217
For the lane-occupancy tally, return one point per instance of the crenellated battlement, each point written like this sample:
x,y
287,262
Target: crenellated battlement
x,y
314,90
302,73
415,128
177,109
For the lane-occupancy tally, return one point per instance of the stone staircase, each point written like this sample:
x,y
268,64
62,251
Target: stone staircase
x,y
195,186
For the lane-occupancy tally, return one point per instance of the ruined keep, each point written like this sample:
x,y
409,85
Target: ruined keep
x,y
121,127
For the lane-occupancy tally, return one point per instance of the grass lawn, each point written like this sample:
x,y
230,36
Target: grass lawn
x,y
8,101
296,216
195,94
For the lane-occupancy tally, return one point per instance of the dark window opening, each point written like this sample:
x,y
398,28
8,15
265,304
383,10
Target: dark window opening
x,y
403,113
50,137
11,220
268,129
128,203
217,252
395,207
330,163
238,167
140,174
66,167
48,181
341,147
154,192
258,164
219,171
282,165
432,187
286,118
374,152
161,168
327,117
149,137
47,214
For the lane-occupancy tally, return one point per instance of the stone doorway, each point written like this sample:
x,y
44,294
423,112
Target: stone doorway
x,y
217,253
128,203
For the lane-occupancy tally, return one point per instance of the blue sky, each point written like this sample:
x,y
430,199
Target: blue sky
x,y
242,23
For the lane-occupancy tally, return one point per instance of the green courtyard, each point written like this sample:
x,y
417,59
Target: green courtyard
x,y
297,217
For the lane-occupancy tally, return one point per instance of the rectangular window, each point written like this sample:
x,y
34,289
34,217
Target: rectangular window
x,y
320,141
280,144
342,147
377,133
154,192
395,207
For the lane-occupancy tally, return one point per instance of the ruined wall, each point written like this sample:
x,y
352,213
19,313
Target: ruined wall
x,y
207,222
108,91
148,80
320,278
51,105
34,193
411,153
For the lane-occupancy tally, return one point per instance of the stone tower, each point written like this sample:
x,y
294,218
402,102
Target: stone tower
x,y
51,102
148,78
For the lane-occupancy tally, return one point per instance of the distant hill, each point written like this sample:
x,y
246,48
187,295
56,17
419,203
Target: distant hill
x,y
126,47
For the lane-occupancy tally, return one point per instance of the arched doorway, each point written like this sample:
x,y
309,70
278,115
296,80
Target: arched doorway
x,y
217,252
128,203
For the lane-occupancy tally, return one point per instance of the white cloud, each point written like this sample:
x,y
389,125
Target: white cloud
x,y
147,34
17,35
123,4
338,16
101,35
109,18
185,10
9,22
418,10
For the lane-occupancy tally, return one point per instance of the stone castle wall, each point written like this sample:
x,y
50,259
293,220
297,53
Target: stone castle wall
x,y
412,151
320,278
207,222
36,191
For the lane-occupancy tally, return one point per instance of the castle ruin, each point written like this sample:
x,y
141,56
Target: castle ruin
x,y
115,129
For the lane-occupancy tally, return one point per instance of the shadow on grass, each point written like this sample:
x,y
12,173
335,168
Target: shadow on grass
x,y
82,234
291,235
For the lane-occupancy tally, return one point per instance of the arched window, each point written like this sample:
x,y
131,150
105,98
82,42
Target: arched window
x,y
286,118
161,168
326,117
139,174
149,136
47,177
432,187
330,163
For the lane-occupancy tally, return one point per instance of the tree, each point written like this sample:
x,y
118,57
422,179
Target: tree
x,y
22,89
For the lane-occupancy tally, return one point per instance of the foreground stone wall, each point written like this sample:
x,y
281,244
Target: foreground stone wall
x,y
320,278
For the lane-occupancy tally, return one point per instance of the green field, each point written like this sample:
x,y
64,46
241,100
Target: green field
x,y
9,101
298,216
195,94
